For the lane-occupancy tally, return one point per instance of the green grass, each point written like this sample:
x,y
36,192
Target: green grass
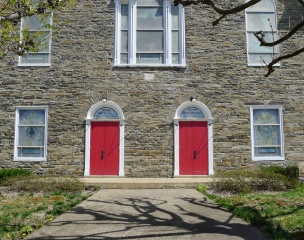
x,y
6,173
36,204
280,214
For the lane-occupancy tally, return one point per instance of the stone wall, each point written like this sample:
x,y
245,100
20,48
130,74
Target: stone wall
x,y
216,74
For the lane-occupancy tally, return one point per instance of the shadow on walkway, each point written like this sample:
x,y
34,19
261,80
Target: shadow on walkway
x,y
148,214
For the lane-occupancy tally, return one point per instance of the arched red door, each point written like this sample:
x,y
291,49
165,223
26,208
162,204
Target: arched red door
x,y
193,148
104,152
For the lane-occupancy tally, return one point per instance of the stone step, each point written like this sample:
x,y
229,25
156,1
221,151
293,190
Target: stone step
x,y
141,183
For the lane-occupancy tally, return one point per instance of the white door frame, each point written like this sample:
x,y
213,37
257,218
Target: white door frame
x,y
89,119
177,119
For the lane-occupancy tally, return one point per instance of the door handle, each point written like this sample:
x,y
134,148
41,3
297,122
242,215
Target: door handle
x,y
194,154
102,154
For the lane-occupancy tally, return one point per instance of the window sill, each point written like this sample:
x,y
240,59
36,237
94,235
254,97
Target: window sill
x,y
150,65
261,65
268,159
28,159
34,65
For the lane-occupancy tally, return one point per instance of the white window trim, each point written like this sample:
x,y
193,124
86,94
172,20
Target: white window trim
x,y
265,158
247,35
31,159
49,53
132,36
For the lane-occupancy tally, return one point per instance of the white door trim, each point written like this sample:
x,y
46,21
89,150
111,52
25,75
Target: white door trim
x,y
177,119
89,119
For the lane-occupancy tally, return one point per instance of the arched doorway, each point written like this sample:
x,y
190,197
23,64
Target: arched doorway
x,y
193,140
104,144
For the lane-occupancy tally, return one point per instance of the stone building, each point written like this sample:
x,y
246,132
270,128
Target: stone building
x,y
140,88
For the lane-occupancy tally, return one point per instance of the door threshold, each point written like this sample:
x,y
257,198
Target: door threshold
x,y
193,176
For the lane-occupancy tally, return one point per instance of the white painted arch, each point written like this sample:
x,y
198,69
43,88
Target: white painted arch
x,y
208,118
90,118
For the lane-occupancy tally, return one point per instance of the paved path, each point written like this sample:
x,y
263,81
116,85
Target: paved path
x,y
147,214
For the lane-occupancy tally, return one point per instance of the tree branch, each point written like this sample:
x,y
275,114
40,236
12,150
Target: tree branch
x,y
260,36
220,11
276,60
301,1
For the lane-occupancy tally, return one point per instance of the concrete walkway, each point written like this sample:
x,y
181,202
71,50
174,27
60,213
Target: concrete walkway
x,y
147,214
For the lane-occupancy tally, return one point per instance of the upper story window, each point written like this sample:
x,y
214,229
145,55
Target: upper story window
x,y
30,133
261,17
39,28
267,133
149,32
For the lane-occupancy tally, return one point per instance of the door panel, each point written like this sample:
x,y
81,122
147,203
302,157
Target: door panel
x,y
104,153
193,148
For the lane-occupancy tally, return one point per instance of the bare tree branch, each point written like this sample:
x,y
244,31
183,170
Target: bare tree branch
x,y
260,36
301,1
220,11
278,59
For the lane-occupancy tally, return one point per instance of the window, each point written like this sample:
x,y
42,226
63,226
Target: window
x,y
30,133
149,32
39,27
261,17
267,133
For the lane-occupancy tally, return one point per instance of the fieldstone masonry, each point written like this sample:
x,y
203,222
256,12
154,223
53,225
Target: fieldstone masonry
x,y
216,74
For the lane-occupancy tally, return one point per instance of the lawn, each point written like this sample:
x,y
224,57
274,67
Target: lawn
x,y
281,214
29,202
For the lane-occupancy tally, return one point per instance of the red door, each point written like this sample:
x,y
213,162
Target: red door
x,y
104,154
193,148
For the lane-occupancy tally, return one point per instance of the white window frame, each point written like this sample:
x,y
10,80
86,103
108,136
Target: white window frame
x,y
16,158
275,32
132,35
263,158
45,52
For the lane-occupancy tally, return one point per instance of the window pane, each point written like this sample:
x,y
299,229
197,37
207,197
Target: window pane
x,y
149,2
124,16
175,42
267,151
264,5
266,135
192,113
124,41
259,21
43,39
149,18
36,23
260,58
174,17
106,113
254,43
146,58
149,41
31,117
36,58
175,58
31,136
30,152
124,58
266,116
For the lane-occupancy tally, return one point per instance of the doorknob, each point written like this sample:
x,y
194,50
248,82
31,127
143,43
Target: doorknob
x,y
102,154
194,154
